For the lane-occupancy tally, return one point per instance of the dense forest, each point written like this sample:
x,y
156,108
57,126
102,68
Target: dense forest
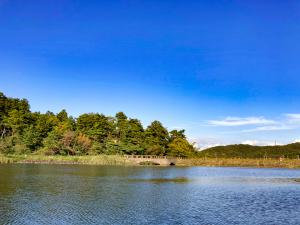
x,y
291,151
24,132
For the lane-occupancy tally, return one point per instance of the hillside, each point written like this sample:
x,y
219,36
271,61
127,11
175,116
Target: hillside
x,y
247,151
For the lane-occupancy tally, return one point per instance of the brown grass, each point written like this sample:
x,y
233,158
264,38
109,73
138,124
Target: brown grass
x,y
237,162
121,161
114,160
90,160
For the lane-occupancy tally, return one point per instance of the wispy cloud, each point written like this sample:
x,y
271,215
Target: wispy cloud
x,y
249,126
269,128
292,118
241,121
287,121
206,142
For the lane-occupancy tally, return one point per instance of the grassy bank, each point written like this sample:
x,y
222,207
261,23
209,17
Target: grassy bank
x,y
88,160
236,162
4,159
121,161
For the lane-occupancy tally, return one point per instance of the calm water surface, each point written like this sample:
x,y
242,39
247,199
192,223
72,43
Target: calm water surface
x,y
73,194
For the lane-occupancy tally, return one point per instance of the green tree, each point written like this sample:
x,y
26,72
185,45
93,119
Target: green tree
x,y
15,121
62,115
156,138
96,126
135,134
44,123
121,128
180,147
32,138
177,134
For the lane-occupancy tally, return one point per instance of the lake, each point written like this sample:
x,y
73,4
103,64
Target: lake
x,y
81,194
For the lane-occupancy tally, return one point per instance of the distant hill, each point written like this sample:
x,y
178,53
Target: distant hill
x,y
248,151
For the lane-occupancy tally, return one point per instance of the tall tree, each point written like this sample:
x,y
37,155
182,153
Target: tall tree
x,y
96,126
156,138
177,134
135,134
180,147
62,115
122,126
15,121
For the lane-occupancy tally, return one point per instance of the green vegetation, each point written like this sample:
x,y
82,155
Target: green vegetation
x,y
23,132
5,159
290,151
60,159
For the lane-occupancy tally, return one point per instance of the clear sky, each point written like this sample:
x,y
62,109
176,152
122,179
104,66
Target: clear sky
x,y
226,71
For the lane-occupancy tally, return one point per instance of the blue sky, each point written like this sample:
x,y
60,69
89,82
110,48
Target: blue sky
x,y
226,71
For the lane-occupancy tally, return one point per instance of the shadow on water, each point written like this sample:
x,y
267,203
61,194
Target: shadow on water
x,y
232,180
163,180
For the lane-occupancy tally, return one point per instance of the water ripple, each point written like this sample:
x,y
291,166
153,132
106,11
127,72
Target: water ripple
x,y
49,194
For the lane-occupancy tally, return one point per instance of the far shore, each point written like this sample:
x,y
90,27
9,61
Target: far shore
x,y
118,160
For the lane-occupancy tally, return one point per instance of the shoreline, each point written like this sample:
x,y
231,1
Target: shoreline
x,y
117,160
239,162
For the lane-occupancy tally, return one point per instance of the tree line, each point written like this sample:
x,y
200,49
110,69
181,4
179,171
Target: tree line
x,y
24,132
